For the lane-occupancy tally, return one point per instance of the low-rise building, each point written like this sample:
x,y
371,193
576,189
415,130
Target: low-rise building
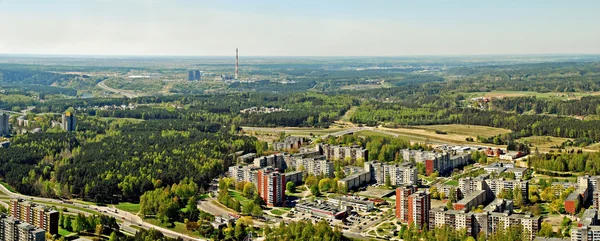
x,y
321,210
352,202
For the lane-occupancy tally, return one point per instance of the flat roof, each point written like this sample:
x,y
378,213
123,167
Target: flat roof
x,y
471,196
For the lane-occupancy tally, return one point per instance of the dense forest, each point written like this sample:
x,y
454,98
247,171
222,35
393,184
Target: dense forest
x,y
121,164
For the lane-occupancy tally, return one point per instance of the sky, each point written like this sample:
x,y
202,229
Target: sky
x,y
299,28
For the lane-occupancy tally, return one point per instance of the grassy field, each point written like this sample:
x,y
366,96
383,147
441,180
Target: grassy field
x,y
64,232
277,212
452,183
468,130
543,143
129,207
238,196
420,134
179,227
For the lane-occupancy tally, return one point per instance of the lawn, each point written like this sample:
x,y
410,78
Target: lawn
x,y
129,207
64,232
238,196
179,227
277,212
452,183
543,142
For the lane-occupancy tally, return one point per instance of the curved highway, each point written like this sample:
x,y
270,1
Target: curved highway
x,y
117,91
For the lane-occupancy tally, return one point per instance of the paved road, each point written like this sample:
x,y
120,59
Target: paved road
x,y
126,93
121,215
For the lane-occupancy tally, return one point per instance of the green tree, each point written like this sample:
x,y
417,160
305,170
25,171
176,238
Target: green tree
x,y
314,189
546,230
257,211
388,181
113,237
290,187
248,190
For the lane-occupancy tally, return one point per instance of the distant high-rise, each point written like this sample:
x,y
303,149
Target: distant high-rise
x,y
191,75
4,130
236,63
69,121
197,75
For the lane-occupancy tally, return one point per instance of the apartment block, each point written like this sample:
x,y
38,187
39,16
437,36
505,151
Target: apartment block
x,y
402,194
446,163
14,229
355,180
316,166
399,174
38,215
585,233
4,125
69,122
271,187
276,161
419,204
452,218
333,152
471,201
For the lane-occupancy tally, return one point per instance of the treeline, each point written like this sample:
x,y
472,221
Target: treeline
x,y
567,162
588,105
303,230
303,109
525,125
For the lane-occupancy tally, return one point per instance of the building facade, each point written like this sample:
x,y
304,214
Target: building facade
x,y
271,187
38,215
69,122
14,229
402,194
4,124
419,204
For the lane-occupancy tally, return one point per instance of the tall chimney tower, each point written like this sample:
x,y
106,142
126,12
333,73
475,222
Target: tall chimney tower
x,y
236,63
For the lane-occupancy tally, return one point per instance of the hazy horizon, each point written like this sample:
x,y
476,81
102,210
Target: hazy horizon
x,y
182,28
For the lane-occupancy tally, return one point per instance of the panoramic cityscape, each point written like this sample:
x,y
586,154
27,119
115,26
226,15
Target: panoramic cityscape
x,y
278,120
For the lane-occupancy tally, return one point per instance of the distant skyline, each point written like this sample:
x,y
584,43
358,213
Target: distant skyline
x,y
298,28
